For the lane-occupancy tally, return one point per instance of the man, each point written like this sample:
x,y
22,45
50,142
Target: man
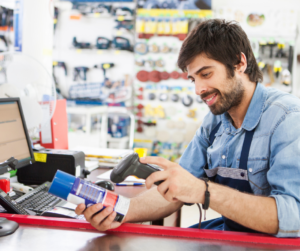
x,y
248,145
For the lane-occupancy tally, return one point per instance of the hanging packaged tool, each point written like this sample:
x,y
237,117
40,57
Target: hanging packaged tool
x,y
286,77
277,68
80,73
142,76
154,76
124,12
2,37
60,64
280,53
175,75
102,8
164,75
160,27
140,27
103,43
127,25
122,43
81,45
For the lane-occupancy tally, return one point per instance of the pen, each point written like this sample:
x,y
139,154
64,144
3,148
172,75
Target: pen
x,y
130,184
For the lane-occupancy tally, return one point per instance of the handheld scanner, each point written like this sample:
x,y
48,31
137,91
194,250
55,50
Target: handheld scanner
x,y
130,165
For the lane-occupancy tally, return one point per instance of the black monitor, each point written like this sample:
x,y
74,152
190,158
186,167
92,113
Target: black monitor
x,y
14,138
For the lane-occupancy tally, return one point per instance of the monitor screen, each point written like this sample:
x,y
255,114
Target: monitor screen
x,y
14,138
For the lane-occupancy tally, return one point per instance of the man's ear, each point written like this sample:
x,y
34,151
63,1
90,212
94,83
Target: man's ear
x,y
242,66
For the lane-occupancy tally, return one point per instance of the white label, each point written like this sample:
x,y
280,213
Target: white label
x,y
46,127
122,205
77,171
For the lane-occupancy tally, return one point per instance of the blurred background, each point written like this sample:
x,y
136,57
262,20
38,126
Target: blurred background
x,y
107,69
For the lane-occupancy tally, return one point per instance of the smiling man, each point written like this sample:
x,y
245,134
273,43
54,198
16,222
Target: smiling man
x,y
246,154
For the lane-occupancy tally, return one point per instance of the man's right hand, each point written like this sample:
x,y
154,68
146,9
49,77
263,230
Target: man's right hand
x,y
101,221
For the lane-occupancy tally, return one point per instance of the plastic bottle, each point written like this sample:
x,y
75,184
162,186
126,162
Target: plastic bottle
x,y
77,191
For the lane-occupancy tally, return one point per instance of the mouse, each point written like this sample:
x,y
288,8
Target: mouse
x,y
7,227
105,184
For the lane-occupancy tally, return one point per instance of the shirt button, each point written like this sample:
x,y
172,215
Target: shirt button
x,y
223,156
242,174
250,170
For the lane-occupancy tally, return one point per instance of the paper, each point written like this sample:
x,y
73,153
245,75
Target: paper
x,y
102,151
106,176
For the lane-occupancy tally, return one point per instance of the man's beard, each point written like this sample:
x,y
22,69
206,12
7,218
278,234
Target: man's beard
x,y
226,100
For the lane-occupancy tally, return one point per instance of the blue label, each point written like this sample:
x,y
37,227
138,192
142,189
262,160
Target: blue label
x,y
91,193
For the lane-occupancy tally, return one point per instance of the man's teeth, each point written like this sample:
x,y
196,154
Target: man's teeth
x,y
210,98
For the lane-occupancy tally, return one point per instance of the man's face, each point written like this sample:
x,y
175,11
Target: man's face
x,y
213,84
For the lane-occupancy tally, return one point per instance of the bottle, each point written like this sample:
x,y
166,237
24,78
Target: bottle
x,y
77,191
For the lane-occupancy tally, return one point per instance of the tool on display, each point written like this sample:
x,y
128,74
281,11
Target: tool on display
x,y
175,97
130,165
187,100
81,45
280,53
104,67
277,68
286,77
154,76
102,43
139,62
153,48
124,25
151,96
60,64
123,11
142,76
56,12
141,48
163,97
175,75
159,63
164,75
184,75
271,45
102,8
122,43
80,73
2,37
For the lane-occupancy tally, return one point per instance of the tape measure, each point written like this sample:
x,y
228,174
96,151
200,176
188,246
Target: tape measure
x,y
175,97
141,48
187,100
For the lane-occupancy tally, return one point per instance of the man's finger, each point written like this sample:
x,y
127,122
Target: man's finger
x,y
80,209
163,187
156,176
100,218
164,163
90,211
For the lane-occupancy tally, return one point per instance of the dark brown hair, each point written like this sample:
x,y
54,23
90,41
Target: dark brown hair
x,y
222,41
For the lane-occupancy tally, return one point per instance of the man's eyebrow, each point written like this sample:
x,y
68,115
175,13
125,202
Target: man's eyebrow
x,y
201,69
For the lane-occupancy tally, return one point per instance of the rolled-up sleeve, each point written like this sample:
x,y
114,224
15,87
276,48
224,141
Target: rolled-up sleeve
x,y
284,173
194,157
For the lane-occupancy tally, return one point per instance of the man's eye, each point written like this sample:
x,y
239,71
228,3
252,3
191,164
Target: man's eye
x,y
192,80
206,75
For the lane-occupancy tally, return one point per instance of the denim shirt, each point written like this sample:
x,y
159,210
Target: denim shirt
x,y
274,157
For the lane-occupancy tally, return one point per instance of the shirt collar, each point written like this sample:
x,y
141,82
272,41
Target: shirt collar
x,y
254,111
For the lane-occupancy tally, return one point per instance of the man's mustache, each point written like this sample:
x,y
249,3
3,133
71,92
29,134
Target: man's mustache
x,y
206,94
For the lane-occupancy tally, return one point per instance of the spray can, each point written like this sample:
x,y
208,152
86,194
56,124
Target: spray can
x,y
77,191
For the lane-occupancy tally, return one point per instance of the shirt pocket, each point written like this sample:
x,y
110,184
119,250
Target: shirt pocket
x,y
257,175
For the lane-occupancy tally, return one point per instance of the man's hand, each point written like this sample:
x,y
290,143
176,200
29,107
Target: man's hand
x,y
101,221
178,183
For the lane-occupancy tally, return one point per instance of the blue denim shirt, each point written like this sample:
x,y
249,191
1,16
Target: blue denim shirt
x,y
274,158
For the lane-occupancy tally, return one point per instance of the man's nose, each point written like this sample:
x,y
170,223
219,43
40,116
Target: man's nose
x,y
200,87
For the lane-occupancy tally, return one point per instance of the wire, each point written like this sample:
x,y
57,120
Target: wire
x,y
200,211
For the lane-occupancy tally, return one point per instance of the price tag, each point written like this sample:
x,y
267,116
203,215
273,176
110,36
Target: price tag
x,y
78,51
99,51
117,52
96,14
121,18
40,157
119,33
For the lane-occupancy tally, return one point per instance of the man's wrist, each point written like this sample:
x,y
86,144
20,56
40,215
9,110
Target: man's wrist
x,y
200,196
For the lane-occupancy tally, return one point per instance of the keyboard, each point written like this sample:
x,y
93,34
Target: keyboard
x,y
39,200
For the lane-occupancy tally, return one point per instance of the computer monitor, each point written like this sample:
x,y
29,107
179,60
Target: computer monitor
x,y
14,138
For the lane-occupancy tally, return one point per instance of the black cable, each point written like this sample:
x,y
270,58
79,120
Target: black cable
x,y
200,211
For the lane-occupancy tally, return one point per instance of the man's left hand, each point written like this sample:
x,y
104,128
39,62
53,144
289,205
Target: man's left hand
x,y
178,184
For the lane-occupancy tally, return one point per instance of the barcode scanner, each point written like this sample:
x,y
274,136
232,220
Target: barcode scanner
x,y
130,165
